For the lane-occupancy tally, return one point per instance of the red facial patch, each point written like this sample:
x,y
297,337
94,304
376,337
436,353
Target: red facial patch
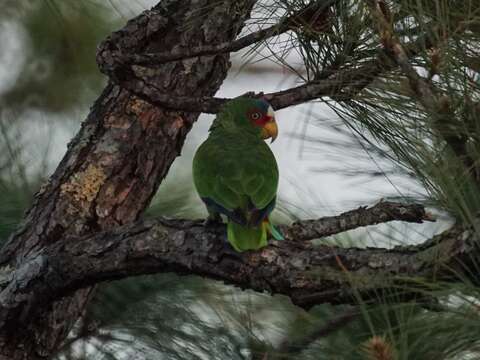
x,y
257,118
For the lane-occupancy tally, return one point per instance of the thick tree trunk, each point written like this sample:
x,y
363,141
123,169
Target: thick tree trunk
x,y
124,149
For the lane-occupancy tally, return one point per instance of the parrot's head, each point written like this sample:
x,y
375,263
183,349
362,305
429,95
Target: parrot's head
x,y
252,115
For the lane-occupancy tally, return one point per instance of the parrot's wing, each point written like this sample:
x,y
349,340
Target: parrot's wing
x,y
238,182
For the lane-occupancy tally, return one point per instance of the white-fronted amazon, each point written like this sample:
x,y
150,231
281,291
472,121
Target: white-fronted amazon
x,y
236,174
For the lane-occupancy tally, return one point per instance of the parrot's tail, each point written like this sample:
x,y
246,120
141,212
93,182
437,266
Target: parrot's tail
x,y
244,238
277,235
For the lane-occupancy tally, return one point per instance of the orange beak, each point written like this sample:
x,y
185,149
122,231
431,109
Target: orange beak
x,y
270,129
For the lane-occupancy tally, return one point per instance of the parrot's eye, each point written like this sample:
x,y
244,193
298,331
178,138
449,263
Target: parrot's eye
x,y
255,116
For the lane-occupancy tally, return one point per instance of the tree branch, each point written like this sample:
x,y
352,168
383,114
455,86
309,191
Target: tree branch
x,y
343,85
340,87
308,274
383,211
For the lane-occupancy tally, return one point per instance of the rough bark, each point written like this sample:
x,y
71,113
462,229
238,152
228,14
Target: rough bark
x,y
382,212
307,274
115,163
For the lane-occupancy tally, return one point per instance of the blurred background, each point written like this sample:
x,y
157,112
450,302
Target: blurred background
x,y
48,81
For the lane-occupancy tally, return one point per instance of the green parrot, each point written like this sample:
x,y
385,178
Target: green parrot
x,y
236,174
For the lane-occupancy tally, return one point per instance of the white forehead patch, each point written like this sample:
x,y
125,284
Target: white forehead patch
x,y
270,111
